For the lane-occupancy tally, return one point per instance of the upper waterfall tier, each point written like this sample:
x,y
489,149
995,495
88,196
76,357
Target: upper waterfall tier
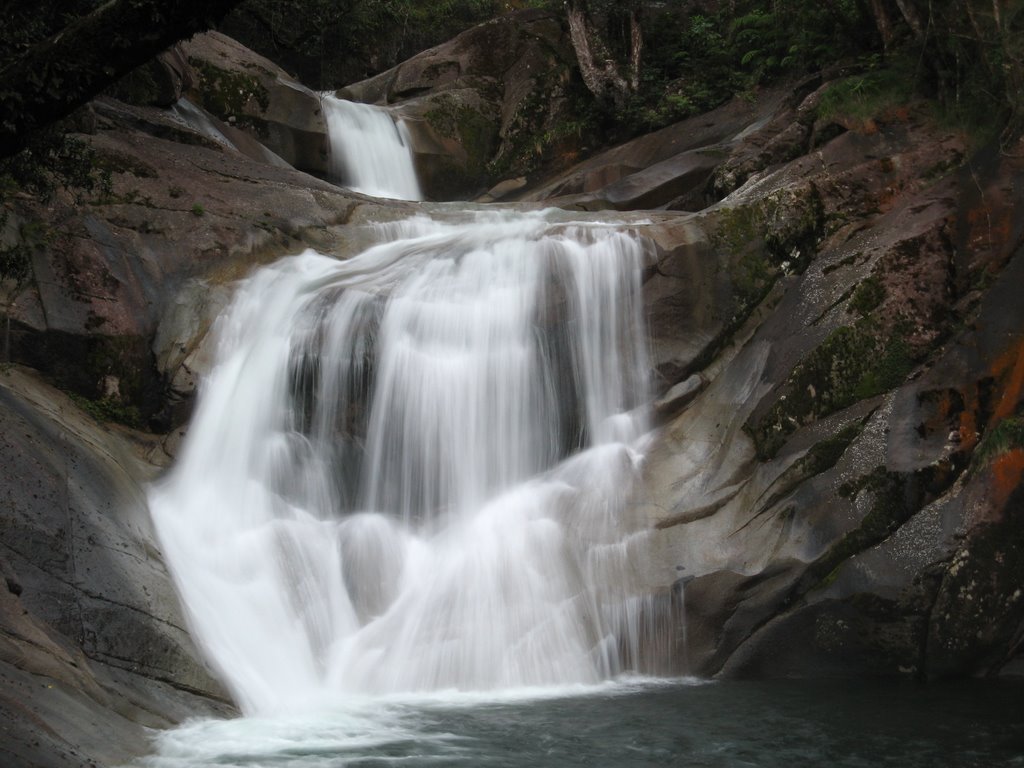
x,y
369,151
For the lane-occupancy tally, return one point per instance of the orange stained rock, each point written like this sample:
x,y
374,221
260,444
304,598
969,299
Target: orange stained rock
x,y
1007,474
1008,369
994,227
969,417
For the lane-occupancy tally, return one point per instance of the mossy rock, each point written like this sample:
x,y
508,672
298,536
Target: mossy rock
x,y
867,296
475,132
980,606
853,363
114,378
767,237
231,95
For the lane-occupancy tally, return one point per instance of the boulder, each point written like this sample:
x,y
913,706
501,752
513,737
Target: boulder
x,y
698,144
94,647
490,104
186,208
253,94
838,497
160,82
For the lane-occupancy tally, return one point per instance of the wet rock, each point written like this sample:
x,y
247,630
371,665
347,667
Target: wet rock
x,y
502,189
94,646
186,208
254,95
675,145
824,493
480,106
679,395
160,82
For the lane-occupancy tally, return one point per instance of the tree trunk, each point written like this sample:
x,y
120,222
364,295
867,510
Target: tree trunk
x,y
636,48
912,17
601,74
882,21
60,74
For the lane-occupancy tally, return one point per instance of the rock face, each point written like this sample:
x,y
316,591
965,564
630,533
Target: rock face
x,y
193,203
126,283
477,106
251,93
835,331
93,647
838,477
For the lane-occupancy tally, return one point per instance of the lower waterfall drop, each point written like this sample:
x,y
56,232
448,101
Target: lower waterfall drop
x,y
411,471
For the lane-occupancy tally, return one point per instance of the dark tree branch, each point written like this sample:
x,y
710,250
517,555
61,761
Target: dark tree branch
x,y
60,74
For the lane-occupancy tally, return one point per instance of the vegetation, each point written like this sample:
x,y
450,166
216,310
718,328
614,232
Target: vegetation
x,y
329,43
57,60
643,64
1007,435
966,54
109,409
851,364
52,160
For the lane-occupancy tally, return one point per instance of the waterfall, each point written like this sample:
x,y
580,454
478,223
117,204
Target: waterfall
x,y
369,151
411,471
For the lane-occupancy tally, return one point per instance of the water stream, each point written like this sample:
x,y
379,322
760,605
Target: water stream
x,y
765,724
410,471
402,529
369,151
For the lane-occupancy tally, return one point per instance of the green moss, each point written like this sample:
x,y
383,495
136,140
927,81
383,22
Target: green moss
x,y
534,137
890,508
229,94
773,235
868,95
795,220
824,455
867,296
888,370
474,131
820,458
109,409
738,227
1007,435
853,363
741,230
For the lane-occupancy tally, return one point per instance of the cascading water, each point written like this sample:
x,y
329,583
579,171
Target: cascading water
x,y
410,471
369,151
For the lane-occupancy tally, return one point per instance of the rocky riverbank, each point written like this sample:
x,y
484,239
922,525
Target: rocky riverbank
x,y
836,484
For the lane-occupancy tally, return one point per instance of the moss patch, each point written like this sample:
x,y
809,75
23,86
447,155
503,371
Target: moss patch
x,y
891,506
981,603
540,134
474,131
867,96
1006,436
773,235
228,94
853,363
109,409
868,294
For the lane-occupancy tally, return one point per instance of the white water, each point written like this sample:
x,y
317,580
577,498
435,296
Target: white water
x,y
411,471
369,151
